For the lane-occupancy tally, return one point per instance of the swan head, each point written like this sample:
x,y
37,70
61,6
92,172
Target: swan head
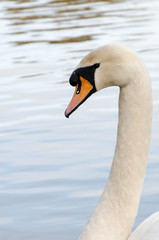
x,y
109,65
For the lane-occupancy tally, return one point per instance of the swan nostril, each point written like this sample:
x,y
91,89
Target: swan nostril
x,y
79,87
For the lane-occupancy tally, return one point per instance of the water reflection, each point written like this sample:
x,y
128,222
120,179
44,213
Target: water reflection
x,y
42,154
67,40
61,17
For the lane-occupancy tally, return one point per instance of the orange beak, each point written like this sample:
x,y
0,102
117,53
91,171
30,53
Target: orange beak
x,y
81,93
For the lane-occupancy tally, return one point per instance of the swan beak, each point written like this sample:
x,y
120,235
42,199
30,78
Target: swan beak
x,y
83,90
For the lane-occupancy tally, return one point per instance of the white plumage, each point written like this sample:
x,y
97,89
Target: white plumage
x,y
147,230
114,215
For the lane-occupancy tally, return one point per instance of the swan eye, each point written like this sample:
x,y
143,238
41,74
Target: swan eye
x,y
79,87
96,65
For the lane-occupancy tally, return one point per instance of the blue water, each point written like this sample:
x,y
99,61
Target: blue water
x,y
53,169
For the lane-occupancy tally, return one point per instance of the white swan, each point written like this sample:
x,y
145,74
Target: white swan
x,y
114,215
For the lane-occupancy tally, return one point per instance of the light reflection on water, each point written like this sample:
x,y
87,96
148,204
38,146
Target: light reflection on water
x,y
52,170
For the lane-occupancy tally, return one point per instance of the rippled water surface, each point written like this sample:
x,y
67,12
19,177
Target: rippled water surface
x,y
53,170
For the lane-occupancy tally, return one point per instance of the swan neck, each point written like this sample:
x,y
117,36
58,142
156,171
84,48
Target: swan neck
x,y
116,210
130,159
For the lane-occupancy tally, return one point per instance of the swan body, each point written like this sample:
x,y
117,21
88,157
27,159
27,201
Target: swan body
x,y
148,229
115,212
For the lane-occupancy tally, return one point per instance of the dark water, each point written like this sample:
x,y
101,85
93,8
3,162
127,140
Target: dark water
x,y
52,170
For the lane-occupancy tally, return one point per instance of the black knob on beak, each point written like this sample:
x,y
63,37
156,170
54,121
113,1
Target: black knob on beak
x,y
74,79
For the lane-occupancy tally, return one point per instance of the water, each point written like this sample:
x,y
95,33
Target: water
x,y
52,170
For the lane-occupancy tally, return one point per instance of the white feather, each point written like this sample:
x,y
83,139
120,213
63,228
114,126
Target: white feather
x,y
116,210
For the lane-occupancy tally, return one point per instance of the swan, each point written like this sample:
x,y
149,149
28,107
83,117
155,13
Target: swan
x,y
115,212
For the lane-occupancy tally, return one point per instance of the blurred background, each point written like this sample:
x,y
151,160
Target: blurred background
x,y
53,170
